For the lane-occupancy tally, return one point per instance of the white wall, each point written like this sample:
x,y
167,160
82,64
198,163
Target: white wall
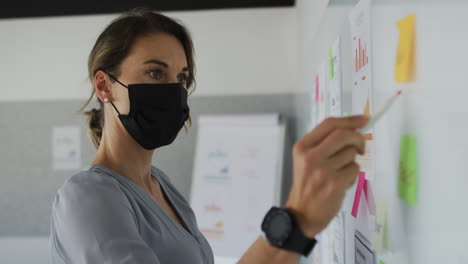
x,y
240,51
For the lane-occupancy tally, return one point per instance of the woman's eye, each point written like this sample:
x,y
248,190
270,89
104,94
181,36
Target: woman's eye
x,y
182,78
155,74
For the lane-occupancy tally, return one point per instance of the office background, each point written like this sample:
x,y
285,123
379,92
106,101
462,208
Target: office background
x,y
248,61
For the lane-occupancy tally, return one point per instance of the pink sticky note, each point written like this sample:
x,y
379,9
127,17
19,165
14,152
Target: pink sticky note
x,y
369,197
317,86
357,196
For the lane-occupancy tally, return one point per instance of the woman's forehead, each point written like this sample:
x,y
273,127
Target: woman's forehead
x,y
159,46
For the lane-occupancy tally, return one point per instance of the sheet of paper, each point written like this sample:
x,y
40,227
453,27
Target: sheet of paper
x,y
334,82
393,257
338,236
380,225
316,257
404,65
369,197
234,155
408,170
321,89
363,251
318,111
332,241
314,99
66,148
362,91
325,246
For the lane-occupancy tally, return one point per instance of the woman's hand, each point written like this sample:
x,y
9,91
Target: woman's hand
x,y
324,168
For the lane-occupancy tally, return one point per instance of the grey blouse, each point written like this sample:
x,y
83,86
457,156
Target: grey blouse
x,y
99,216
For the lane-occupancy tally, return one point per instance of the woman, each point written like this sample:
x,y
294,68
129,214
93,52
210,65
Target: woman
x,y
121,209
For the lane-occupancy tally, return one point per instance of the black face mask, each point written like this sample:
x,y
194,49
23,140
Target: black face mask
x,y
157,112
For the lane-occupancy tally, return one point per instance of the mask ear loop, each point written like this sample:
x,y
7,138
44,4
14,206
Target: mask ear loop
x,y
115,107
115,79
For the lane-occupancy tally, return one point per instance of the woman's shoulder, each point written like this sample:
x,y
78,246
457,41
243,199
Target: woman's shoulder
x,y
88,180
91,216
88,188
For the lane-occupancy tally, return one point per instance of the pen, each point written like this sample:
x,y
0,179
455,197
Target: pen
x,y
380,113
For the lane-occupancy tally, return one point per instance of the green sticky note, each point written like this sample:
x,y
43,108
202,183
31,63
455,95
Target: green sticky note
x,y
381,262
331,62
408,170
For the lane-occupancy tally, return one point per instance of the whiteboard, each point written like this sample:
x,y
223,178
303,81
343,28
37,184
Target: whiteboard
x,y
236,179
433,109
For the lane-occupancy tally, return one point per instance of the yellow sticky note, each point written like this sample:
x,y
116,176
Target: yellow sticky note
x,y
408,170
404,66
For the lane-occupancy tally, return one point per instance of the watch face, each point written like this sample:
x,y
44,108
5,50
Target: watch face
x,y
278,227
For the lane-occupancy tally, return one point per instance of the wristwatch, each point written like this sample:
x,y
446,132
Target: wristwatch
x,y
282,231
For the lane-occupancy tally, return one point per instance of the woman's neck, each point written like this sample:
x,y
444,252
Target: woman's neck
x,y
120,153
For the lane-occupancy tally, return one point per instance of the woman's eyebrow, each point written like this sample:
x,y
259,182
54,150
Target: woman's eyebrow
x,y
162,63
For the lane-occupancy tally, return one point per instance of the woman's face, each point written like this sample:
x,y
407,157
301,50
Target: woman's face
x,y
156,58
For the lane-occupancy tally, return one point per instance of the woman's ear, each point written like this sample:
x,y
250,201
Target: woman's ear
x,y
102,86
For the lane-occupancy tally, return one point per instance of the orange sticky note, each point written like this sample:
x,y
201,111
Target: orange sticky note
x,y
404,65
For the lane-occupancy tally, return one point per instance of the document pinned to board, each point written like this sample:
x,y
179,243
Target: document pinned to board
x,y
334,80
66,148
362,102
379,233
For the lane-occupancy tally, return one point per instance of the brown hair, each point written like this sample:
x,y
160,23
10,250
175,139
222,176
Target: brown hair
x,y
114,45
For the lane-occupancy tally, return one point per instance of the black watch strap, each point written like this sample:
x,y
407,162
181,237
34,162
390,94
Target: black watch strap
x,y
297,242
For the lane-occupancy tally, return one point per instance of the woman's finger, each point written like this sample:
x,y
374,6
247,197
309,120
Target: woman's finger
x,y
317,135
343,158
349,174
340,139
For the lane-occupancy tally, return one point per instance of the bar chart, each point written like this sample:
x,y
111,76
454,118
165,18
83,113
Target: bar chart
x,y
361,57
